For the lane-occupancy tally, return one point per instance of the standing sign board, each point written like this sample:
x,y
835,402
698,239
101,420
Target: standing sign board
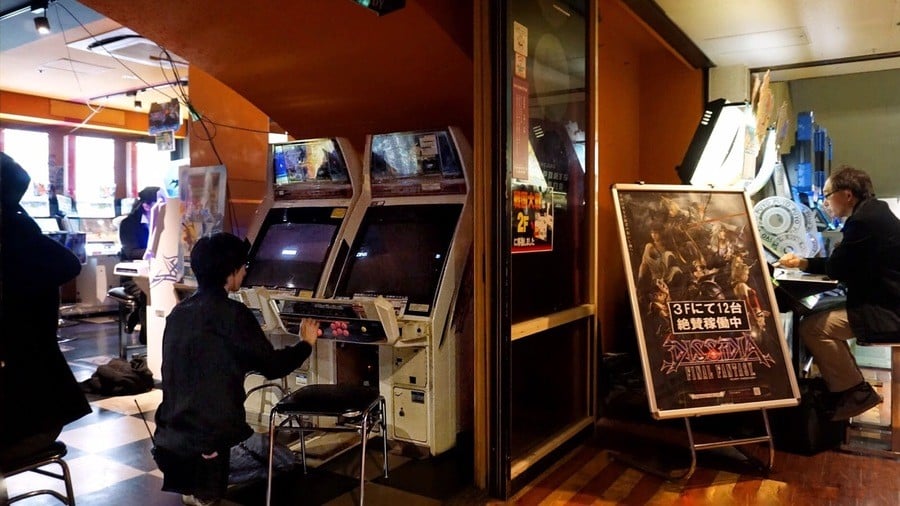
x,y
707,323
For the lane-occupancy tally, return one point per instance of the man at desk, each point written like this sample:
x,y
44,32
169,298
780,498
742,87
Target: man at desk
x,y
867,262
134,232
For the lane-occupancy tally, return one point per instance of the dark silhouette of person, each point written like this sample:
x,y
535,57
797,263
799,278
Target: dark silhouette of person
x,y
134,233
210,343
38,392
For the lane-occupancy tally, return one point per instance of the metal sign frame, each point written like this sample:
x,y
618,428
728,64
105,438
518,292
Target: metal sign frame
x,y
707,323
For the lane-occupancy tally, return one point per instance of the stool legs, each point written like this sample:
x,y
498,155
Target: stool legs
x,y
383,420
271,457
65,476
372,416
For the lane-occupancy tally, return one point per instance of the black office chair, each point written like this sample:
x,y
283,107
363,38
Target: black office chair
x,y
127,304
51,455
357,408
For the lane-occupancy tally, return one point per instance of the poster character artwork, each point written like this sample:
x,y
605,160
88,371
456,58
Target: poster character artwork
x,y
702,301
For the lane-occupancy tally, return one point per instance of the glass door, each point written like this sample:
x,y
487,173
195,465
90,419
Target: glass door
x,y
542,352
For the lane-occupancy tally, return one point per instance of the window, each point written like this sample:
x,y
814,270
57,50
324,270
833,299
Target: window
x,y
94,169
150,167
32,151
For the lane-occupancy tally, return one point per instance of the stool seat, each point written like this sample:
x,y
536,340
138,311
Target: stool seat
x,y
56,449
334,400
35,463
121,295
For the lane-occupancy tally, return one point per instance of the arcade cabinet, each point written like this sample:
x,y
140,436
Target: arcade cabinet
x,y
389,300
313,186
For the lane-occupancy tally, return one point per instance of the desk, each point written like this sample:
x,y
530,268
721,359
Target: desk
x,y
803,298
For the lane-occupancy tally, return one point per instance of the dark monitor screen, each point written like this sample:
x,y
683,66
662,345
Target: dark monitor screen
x,y
292,247
74,241
400,251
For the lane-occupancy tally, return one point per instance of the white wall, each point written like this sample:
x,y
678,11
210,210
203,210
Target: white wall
x,y
862,115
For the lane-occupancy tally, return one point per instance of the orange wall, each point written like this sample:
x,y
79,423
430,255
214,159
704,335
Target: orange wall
x,y
618,135
34,110
243,150
672,102
649,103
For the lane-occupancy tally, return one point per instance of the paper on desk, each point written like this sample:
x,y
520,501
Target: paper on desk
x,y
781,274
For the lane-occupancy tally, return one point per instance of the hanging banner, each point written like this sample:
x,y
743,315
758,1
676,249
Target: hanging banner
x,y
532,219
704,309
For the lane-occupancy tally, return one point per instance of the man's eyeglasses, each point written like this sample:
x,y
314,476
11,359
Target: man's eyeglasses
x,y
825,197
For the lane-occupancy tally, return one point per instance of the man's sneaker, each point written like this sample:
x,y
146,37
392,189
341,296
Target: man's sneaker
x,y
856,401
190,500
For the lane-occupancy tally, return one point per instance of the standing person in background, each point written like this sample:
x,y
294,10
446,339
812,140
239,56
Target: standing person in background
x,y
867,262
134,232
38,393
210,343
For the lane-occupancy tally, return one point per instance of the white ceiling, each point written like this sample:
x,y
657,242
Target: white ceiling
x,y
761,34
57,66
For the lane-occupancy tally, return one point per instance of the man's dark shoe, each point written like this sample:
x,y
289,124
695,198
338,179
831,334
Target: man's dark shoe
x,y
856,401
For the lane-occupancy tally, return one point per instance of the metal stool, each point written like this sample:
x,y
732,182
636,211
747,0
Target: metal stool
x,y
346,402
51,455
127,304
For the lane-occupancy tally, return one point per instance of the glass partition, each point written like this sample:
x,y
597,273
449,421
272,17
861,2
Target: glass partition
x,y
542,359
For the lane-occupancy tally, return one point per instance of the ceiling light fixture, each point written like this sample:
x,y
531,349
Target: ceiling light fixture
x,y
138,104
42,25
39,6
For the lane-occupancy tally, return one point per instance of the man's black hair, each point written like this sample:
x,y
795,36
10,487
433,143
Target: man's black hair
x,y
215,257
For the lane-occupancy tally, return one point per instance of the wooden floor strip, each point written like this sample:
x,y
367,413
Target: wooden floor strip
x,y
549,483
568,489
599,483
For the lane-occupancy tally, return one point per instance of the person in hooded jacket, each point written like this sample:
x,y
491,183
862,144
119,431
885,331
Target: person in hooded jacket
x,y
38,392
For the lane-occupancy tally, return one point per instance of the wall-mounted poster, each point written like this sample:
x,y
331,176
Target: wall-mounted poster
x,y
705,312
532,219
202,194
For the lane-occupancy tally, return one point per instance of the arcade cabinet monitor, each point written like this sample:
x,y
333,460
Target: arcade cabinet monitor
x,y
292,247
400,252
308,160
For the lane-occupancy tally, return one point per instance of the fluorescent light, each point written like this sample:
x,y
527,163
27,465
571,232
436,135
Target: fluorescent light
x,y
42,25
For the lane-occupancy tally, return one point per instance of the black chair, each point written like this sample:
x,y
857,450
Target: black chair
x,y
357,409
127,304
52,455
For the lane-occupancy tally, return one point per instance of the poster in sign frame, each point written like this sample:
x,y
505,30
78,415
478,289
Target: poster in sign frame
x,y
707,323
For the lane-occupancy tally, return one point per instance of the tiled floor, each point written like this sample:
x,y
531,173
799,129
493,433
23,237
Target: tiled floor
x,y
110,461
109,456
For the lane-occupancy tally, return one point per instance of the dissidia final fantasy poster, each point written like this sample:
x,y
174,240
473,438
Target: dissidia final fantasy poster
x,y
702,300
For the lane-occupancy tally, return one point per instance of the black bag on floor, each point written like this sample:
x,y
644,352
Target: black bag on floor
x,y
120,377
807,429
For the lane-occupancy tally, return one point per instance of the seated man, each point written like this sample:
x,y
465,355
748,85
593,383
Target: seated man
x,y
867,261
